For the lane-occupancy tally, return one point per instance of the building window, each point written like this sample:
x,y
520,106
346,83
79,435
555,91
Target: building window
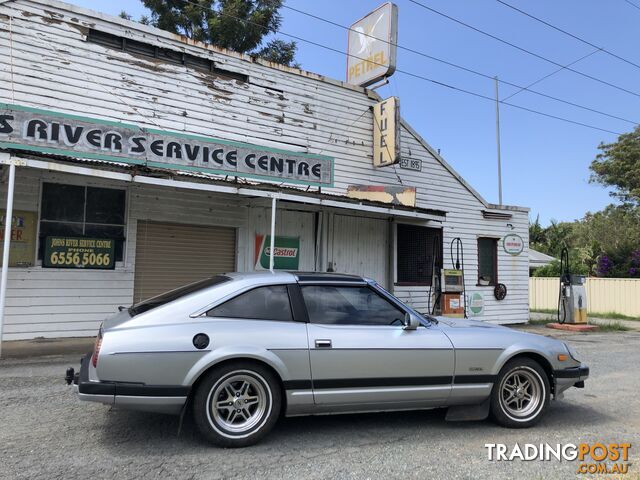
x,y
487,261
415,254
79,211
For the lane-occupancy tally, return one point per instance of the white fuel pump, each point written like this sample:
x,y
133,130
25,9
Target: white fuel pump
x,y
572,297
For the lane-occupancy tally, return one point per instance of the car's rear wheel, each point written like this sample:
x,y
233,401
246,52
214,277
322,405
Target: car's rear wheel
x,y
237,403
521,394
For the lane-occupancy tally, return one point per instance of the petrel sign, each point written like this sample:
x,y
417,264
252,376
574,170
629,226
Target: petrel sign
x,y
373,43
38,130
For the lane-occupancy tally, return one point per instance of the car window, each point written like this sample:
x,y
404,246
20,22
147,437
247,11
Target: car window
x,y
175,294
349,306
262,303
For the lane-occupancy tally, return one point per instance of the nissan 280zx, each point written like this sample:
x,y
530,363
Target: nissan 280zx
x,y
241,349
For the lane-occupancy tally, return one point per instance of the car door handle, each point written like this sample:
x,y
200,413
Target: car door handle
x,y
323,343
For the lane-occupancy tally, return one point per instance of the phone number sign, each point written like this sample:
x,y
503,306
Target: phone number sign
x,y
75,252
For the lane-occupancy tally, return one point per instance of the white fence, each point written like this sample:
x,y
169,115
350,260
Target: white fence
x,y
620,295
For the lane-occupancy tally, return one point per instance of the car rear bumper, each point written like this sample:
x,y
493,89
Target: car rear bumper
x,y
570,377
134,396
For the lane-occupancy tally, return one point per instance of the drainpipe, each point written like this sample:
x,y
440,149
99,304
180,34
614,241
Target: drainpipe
x,y
273,233
8,220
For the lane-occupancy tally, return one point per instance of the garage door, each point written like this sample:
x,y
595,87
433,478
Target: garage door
x,y
169,255
361,246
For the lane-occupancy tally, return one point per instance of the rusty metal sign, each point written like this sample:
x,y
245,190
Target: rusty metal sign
x,y
386,132
38,130
384,193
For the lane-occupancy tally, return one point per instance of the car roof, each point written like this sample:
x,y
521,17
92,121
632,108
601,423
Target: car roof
x,y
263,275
289,277
327,277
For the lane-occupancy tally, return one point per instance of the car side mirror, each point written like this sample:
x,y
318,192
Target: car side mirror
x,y
411,322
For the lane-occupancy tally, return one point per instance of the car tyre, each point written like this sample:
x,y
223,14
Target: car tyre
x,y
521,394
236,404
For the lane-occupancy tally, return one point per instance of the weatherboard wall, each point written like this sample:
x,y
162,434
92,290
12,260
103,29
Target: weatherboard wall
x,y
49,64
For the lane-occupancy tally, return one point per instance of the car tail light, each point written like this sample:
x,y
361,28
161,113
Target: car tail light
x,y
96,348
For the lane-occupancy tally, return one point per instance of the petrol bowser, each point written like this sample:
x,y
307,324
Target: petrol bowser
x,y
572,297
447,295
452,284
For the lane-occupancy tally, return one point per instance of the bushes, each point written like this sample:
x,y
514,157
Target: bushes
x,y
603,244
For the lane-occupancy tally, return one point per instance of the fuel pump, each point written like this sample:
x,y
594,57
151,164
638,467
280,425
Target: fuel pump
x,y
435,289
572,296
454,298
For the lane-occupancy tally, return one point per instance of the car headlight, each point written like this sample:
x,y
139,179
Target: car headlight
x,y
572,352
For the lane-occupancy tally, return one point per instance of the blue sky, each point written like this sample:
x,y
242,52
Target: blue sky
x,y
545,161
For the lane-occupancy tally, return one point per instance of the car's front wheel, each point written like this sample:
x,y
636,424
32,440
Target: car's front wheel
x,y
521,394
237,403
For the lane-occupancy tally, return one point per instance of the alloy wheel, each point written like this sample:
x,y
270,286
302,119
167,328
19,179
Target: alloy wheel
x,y
238,402
521,393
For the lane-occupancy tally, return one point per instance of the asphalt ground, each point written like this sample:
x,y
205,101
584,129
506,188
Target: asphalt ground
x,y
47,433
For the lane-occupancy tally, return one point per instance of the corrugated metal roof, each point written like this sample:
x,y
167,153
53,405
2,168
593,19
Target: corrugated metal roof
x,y
227,180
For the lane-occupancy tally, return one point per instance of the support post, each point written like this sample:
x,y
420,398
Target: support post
x,y
8,220
498,143
273,233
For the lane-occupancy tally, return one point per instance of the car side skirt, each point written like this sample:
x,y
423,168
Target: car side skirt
x,y
398,395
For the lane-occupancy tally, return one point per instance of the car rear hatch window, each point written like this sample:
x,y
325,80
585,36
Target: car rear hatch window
x,y
175,294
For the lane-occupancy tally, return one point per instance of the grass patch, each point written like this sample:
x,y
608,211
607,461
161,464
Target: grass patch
x,y
615,326
611,315
612,327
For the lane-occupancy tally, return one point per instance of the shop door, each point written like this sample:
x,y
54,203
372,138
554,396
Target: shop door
x,y
361,247
170,255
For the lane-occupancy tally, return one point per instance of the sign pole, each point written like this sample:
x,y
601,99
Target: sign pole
x,y
273,233
498,142
8,221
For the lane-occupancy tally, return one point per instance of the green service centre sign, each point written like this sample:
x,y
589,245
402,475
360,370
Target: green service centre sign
x,y
75,252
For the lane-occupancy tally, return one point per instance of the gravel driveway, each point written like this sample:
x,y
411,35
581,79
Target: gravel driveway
x,y
46,433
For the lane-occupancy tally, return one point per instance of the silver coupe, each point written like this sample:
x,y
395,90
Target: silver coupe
x,y
240,349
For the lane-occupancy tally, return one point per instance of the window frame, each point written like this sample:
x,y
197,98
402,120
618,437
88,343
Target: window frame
x,y
294,310
429,280
390,301
494,281
119,264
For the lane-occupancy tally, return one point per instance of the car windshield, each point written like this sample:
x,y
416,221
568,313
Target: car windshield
x,y
172,295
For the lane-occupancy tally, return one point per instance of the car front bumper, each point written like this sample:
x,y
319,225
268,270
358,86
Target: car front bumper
x,y
132,396
569,377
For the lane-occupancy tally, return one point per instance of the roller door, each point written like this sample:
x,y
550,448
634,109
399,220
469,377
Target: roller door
x,y
170,255
361,247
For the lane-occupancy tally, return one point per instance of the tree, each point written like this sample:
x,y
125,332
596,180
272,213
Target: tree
x,y
618,166
537,237
553,269
552,239
239,25
613,237
604,244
